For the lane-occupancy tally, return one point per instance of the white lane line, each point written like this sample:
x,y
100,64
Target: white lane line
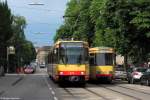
x,y
55,98
5,98
38,74
53,92
49,86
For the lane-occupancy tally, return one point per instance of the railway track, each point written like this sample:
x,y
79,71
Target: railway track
x,y
71,94
113,90
97,94
133,89
134,97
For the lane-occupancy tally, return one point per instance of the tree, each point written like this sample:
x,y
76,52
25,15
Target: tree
x,y
25,51
141,23
6,32
6,19
122,24
63,32
12,33
77,23
28,52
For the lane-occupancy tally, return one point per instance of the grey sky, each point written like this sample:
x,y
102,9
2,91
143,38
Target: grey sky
x,y
43,21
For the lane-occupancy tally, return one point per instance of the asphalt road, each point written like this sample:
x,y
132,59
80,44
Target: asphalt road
x,y
39,87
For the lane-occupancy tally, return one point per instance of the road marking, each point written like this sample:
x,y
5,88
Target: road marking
x,y
36,74
53,92
17,81
6,98
55,98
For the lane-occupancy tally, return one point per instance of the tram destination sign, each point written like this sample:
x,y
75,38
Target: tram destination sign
x,y
72,44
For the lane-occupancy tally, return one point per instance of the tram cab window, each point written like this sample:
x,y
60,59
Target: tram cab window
x,y
104,59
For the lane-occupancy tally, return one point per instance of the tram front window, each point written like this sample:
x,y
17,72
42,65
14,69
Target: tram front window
x,y
104,59
72,55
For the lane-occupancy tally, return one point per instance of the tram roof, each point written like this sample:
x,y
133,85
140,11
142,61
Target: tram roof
x,y
99,49
67,41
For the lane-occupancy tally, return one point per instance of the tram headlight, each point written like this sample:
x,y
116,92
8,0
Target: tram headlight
x,y
82,73
61,73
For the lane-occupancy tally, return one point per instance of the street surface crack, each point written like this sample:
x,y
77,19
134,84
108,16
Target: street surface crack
x,y
17,81
2,92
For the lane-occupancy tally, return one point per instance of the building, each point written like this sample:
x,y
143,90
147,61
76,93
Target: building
x,y
119,60
42,54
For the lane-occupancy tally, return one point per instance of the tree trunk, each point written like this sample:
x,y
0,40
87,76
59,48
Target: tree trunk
x,y
126,61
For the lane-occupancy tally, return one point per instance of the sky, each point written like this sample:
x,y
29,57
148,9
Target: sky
x,y
42,20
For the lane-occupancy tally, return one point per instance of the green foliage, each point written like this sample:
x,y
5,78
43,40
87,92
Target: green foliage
x,y
6,19
6,32
12,34
78,24
25,51
62,33
122,24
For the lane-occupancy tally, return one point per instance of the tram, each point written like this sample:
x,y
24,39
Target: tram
x,y
68,62
102,62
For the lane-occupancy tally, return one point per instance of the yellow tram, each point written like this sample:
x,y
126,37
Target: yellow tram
x,y
102,62
68,61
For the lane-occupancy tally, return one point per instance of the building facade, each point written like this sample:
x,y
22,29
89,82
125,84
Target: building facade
x,y
42,54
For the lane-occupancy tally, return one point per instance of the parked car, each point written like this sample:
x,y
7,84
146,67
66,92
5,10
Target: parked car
x,y
145,79
120,73
42,66
34,67
135,74
2,73
28,70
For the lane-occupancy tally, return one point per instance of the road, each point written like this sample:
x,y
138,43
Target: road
x,y
39,87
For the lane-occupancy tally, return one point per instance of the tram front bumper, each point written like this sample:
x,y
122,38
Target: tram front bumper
x,y
104,76
72,78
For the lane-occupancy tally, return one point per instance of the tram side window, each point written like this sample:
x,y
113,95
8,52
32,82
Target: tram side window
x,y
50,58
62,57
55,56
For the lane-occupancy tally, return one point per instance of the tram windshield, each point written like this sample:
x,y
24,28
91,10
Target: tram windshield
x,y
104,59
73,54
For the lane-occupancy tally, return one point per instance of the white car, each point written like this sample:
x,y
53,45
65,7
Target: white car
x,y
120,73
136,74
